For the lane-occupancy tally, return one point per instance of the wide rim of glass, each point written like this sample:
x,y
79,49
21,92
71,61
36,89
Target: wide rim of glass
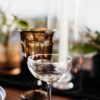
x,y
37,31
68,58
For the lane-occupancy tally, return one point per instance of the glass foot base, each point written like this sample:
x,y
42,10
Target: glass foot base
x,y
34,95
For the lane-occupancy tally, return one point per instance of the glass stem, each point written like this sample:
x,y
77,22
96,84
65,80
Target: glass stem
x,y
49,91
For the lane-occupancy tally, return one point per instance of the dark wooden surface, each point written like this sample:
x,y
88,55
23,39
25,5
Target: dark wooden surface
x,y
14,94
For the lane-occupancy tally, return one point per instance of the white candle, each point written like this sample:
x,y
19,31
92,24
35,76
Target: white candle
x,y
76,18
51,14
63,29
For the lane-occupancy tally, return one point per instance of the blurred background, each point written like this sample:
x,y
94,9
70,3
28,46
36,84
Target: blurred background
x,y
76,26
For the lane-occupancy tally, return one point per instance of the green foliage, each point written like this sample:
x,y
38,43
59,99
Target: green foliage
x,y
92,44
97,39
21,24
83,48
2,18
5,27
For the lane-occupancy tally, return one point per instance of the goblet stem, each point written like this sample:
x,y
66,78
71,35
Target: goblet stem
x,y
49,91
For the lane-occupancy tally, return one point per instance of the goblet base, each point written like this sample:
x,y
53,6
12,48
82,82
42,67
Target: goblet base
x,y
34,95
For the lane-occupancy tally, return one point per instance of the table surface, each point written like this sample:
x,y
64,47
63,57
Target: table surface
x,y
14,94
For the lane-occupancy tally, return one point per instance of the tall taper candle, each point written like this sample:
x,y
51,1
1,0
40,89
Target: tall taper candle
x,y
63,29
51,14
76,19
